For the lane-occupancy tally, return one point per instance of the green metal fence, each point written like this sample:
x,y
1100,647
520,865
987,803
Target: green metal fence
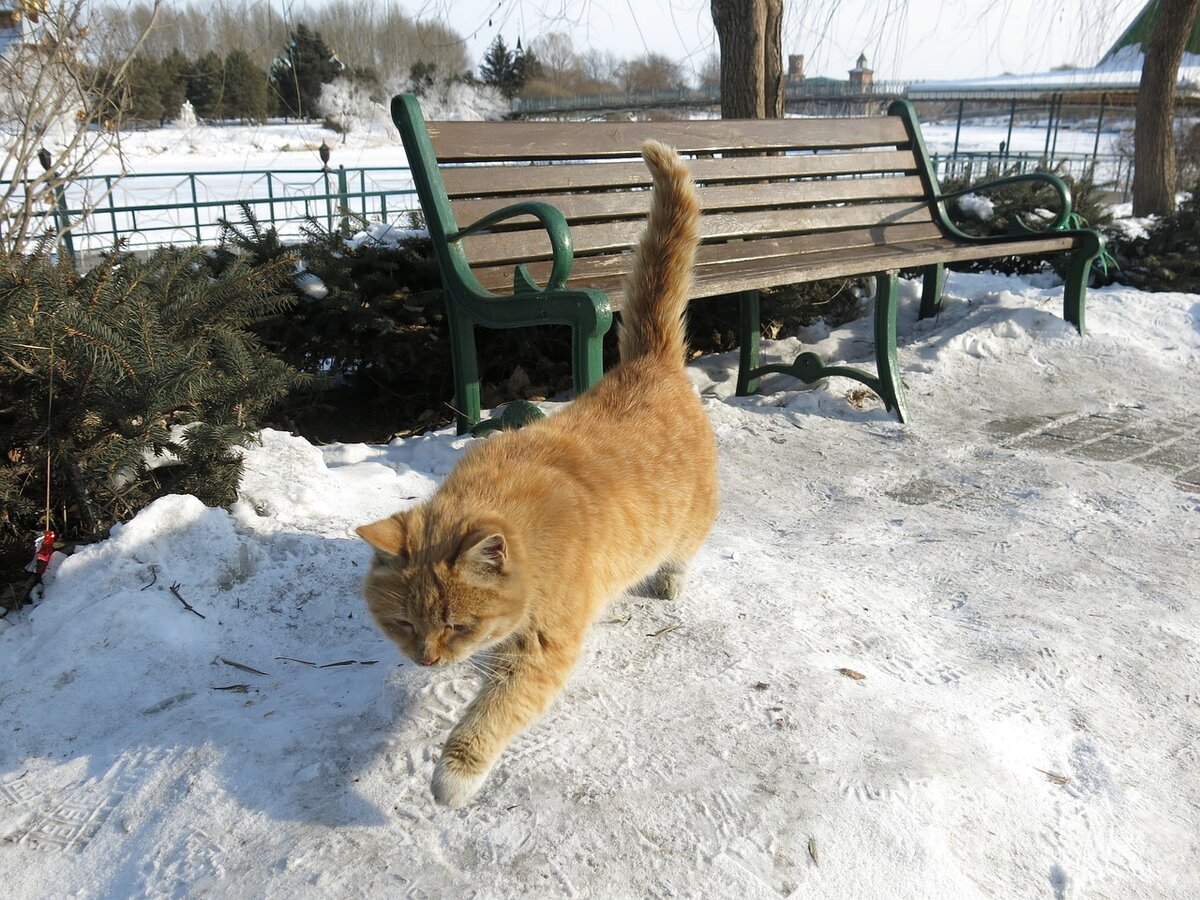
x,y
814,89
142,210
1110,172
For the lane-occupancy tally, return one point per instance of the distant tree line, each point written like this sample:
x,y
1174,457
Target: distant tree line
x,y
564,70
378,37
231,60
232,85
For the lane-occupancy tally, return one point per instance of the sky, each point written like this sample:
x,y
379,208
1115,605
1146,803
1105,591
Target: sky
x,y
903,39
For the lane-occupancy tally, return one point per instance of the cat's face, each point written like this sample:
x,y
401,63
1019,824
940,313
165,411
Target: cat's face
x,y
441,599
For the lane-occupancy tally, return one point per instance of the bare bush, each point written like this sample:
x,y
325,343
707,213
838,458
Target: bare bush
x,y
62,93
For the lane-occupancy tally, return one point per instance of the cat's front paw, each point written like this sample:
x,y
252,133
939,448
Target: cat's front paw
x,y
668,582
455,782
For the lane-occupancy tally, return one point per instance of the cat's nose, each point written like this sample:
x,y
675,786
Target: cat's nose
x,y
428,659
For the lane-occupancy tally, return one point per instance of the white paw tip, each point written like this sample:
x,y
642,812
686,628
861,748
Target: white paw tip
x,y
453,789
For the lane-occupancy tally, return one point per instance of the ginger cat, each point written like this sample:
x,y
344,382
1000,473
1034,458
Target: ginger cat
x,y
534,531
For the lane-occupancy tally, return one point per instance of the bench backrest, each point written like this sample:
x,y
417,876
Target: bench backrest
x,y
840,183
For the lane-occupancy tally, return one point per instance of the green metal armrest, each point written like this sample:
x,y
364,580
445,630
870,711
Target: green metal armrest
x,y
468,303
560,242
1016,226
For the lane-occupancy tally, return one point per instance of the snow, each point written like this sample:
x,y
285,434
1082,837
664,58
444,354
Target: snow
x,y
982,208
1022,608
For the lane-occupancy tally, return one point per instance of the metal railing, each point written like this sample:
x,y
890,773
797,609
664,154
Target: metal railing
x,y
139,211
1110,172
809,89
98,213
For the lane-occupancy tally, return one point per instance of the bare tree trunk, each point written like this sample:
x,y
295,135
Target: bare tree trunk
x,y
1153,133
773,61
750,35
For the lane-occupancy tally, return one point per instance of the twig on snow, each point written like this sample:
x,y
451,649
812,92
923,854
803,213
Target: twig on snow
x,y
175,590
243,667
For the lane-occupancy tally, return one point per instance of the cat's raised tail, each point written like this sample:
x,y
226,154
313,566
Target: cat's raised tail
x,y
658,287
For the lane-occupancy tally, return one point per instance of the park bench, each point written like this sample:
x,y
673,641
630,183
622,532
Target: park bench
x,y
551,210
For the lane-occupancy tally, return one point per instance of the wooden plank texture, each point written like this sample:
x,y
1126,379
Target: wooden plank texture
x,y
591,268
465,141
607,237
635,204
516,180
742,274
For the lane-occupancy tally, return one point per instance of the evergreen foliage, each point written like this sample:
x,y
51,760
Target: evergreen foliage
x,y
376,334
306,64
246,94
175,69
528,67
206,86
1019,202
1166,257
228,87
145,95
507,70
136,380
497,63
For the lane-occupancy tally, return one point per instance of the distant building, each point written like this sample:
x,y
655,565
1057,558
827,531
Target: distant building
x,y
860,75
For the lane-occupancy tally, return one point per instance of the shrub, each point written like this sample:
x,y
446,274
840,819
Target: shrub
x,y
365,320
1018,203
135,380
1166,257
368,320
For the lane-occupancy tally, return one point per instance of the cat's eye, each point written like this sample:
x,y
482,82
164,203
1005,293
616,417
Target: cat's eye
x,y
403,625
460,628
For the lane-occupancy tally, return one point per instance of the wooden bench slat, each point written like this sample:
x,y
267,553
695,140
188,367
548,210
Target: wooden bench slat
x,y
726,276
606,237
524,180
782,270
869,261
616,265
467,141
579,208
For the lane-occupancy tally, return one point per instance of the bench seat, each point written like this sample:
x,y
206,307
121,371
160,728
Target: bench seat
x,y
723,269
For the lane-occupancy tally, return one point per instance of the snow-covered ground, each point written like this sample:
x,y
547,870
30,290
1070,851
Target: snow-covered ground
x,y
1017,593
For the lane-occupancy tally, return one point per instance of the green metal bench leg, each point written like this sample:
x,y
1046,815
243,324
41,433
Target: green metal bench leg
x,y
466,368
1075,291
587,358
933,280
749,333
809,367
891,388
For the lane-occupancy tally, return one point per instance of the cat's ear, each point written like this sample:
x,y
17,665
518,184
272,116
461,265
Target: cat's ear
x,y
483,554
389,537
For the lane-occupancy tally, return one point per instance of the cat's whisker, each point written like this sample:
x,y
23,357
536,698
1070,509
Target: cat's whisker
x,y
488,670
